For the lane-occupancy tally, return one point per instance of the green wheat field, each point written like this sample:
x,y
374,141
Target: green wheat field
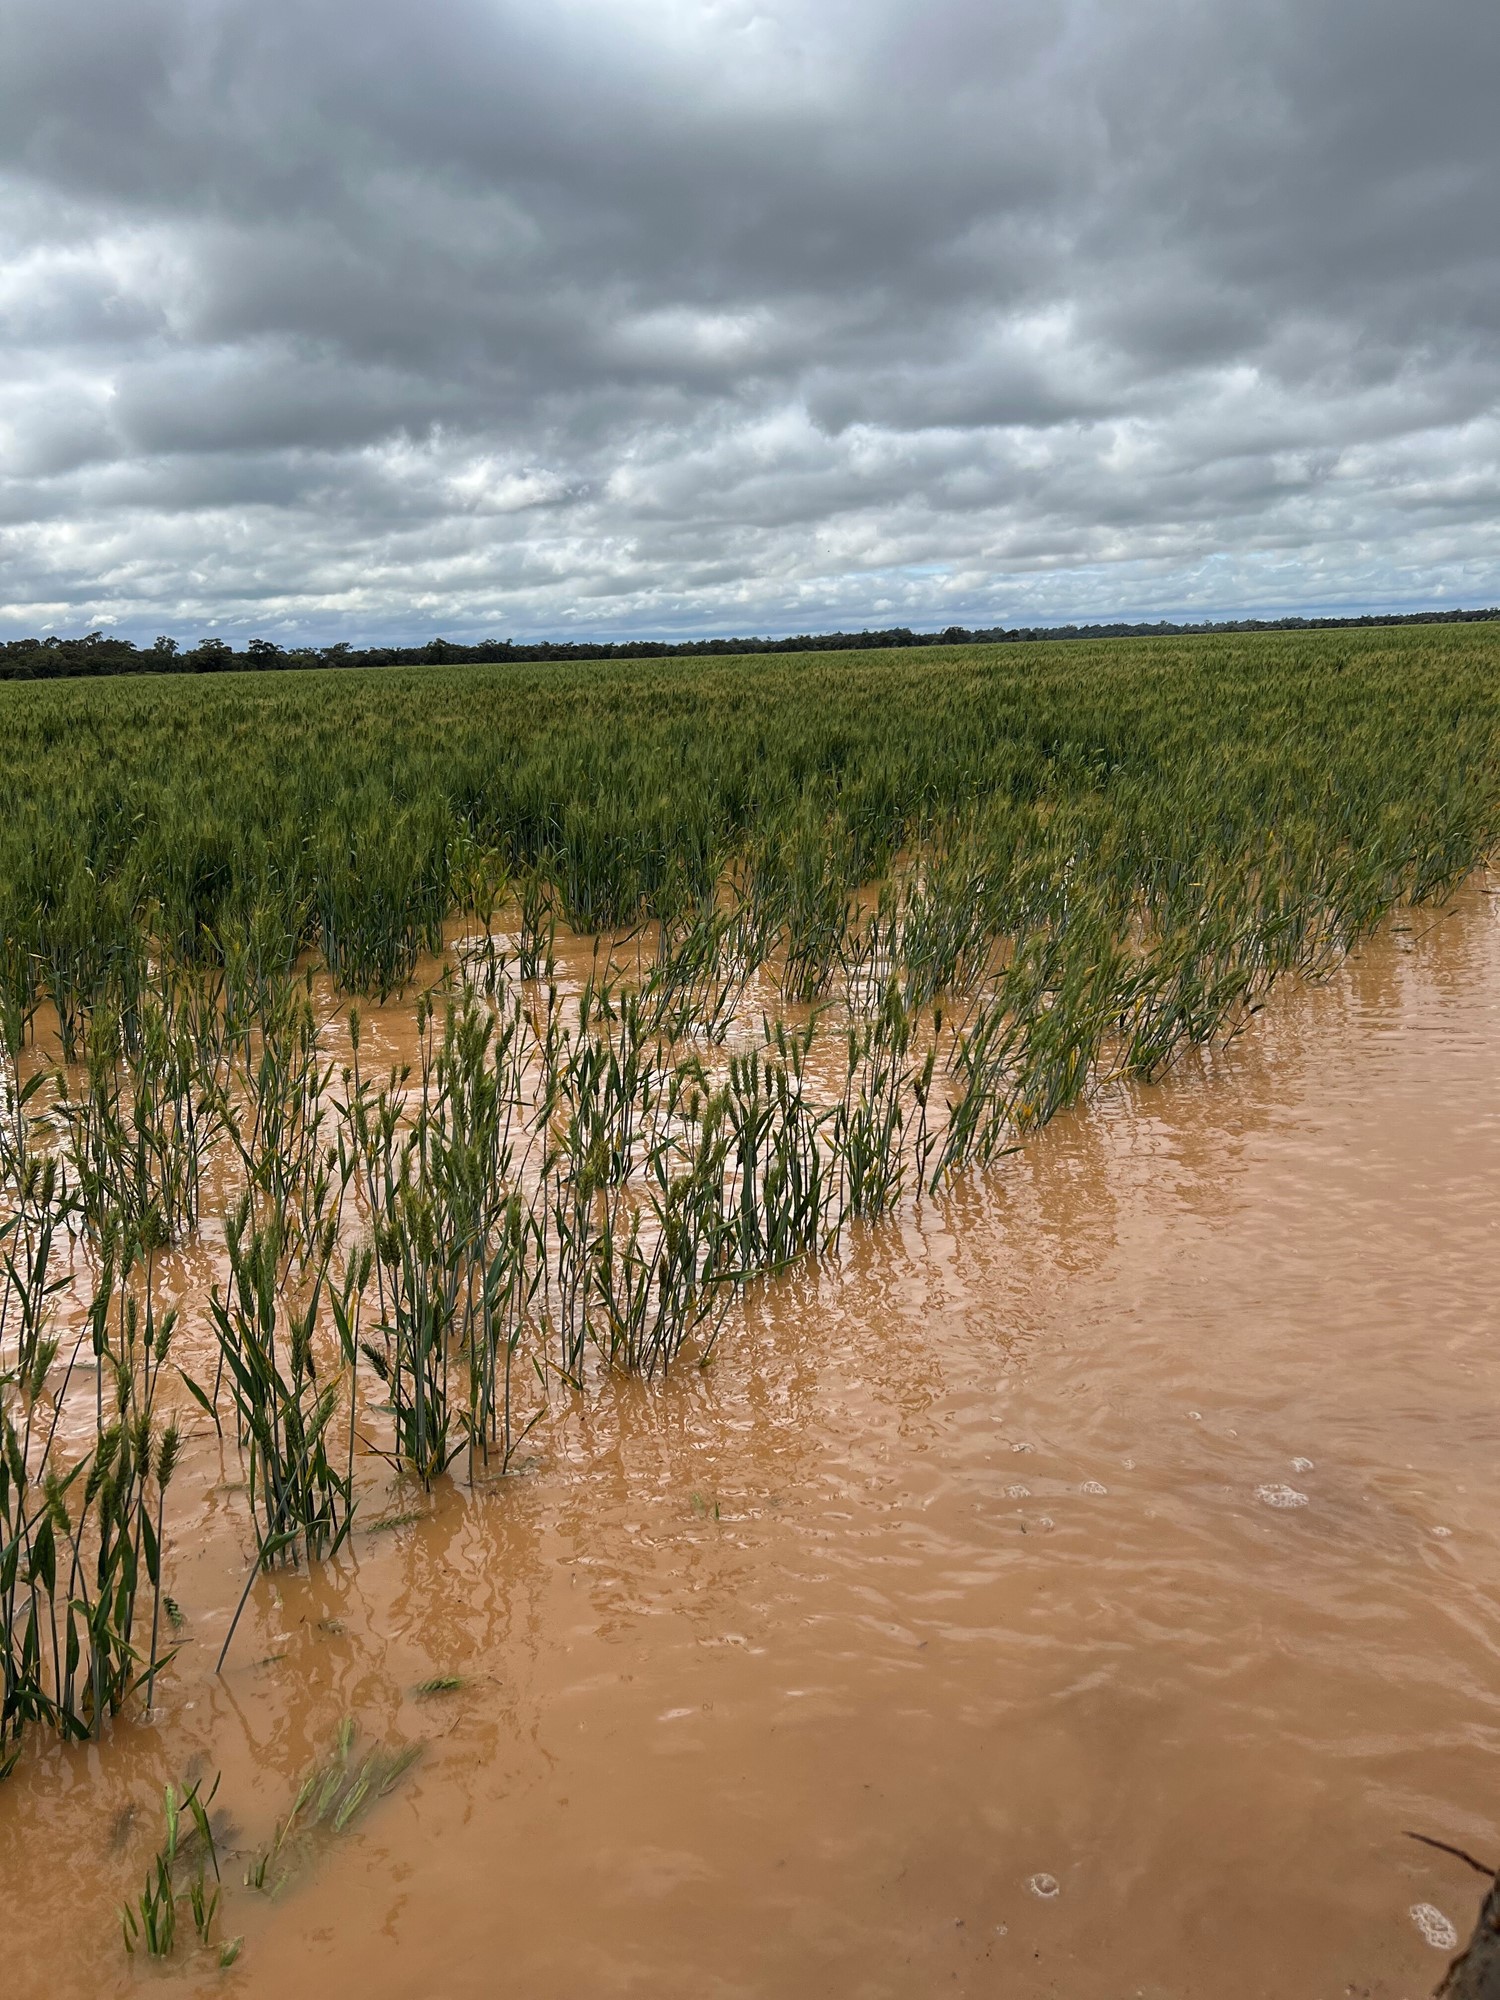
x,y
869,919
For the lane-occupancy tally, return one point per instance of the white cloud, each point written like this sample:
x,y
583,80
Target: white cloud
x,y
706,315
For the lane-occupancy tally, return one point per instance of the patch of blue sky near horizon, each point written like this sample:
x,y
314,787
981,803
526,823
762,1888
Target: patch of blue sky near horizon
x,y
691,317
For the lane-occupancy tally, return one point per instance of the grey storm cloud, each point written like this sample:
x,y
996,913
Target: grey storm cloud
x,y
703,315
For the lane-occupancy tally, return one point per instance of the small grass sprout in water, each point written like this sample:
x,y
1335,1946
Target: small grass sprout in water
x,y
332,1795
387,1524
150,1922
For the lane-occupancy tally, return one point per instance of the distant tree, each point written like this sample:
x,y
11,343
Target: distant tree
x,y
212,656
263,650
163,644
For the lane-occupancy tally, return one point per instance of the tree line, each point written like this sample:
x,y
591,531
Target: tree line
x,y
100,653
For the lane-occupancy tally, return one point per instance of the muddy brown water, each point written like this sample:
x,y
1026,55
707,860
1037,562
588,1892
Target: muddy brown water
x,y
943,1635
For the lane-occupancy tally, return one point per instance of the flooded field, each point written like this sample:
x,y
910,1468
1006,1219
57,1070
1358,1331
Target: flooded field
x,y
1077,1588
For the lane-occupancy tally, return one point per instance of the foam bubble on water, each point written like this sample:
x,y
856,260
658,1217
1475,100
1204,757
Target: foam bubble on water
x,y
1442,1533
1018,1492
1020,1447
1045,1524
1128,1463
1092,1486
1303,1465
1046,1887
1196,1415
1280,1496
1434,1926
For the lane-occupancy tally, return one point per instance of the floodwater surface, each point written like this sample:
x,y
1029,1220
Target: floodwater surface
x,y
1079,1588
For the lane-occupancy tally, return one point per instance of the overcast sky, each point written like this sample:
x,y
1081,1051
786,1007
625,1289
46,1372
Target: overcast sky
x,y
370,318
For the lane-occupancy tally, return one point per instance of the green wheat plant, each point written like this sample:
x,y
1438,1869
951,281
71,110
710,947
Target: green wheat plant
x,y
149,1923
